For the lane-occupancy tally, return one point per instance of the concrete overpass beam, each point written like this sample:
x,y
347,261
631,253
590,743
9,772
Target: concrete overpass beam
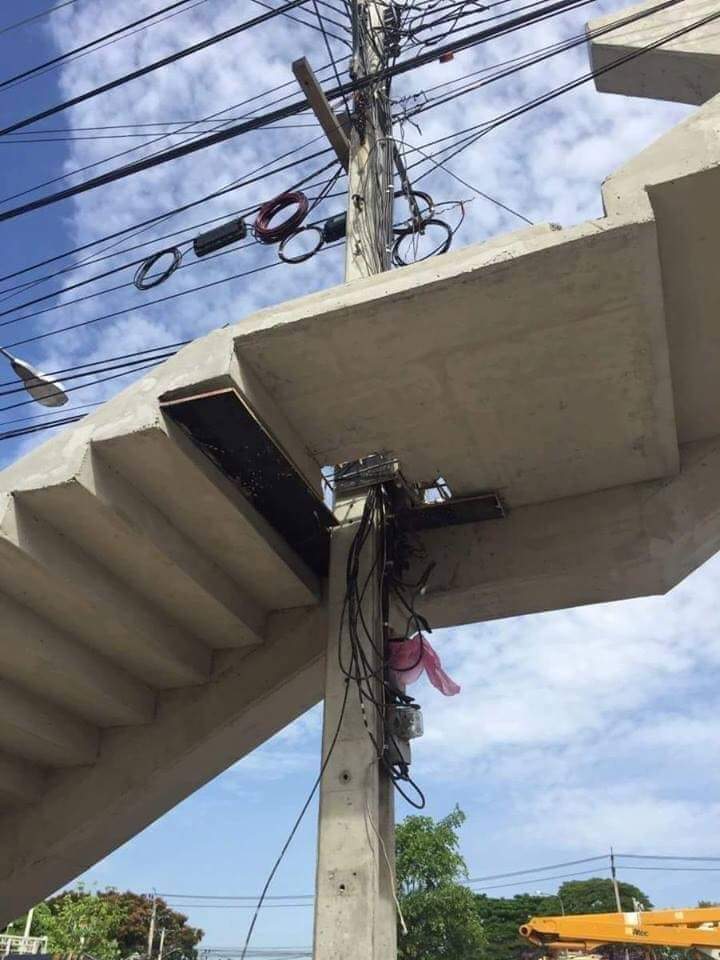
x,y
140,773
684,70
51,665
636,540
40,733
47,572
132,537
20,783
171,473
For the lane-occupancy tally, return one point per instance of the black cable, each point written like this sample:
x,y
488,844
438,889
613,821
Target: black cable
x,y
127,365
476,190
297,823
305,23
158,218
162,348
332,59
164,136
156,65
109,43
663,856
144,264
293,109
150,123
83,386
147,303
133,136
92,43
37,16
561,47
116,253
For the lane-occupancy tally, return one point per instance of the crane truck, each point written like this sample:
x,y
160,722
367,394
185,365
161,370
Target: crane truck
x,y
581,935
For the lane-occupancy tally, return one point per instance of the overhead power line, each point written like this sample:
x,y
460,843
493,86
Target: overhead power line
x,y
551,866
92,43
148,303
155,65
293,109
37,16
255,176
664,856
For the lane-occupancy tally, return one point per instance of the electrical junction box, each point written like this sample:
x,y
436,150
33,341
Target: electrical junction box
x,y
219,237
403,723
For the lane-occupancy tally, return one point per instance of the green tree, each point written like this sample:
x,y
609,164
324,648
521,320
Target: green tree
x,y
181,940
79,922
503,916
597,896
442,922
111,925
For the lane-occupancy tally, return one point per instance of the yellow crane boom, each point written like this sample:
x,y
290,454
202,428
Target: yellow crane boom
x,y
697,929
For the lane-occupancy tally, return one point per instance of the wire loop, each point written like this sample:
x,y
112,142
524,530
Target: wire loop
x,y
265,232
301,257
442,247
141,279
424,215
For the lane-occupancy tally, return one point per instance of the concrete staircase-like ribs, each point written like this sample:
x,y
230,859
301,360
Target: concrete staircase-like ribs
x,y
49,573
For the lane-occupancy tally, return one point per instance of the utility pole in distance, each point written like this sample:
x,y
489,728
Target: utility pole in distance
x,y
355,905
616,888
151,931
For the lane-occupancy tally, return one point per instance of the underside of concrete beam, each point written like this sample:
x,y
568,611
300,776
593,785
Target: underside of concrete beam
x,y
141,772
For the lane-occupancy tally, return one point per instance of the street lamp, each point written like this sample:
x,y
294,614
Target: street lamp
x,y
49,393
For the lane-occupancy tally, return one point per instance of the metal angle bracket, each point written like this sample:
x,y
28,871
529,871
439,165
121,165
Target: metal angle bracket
x,y
452,512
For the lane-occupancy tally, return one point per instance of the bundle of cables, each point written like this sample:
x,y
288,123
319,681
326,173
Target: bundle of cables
x,y
418,224
366,665
267,233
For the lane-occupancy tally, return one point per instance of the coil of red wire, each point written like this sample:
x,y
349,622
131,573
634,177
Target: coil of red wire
x,y
266,232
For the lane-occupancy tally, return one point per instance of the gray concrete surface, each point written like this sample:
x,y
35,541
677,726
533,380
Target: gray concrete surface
x,y
685,69
156,628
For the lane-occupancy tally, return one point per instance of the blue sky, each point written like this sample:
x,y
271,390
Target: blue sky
x,y
575,730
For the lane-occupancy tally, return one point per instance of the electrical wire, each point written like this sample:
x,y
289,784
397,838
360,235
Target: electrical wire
x,y
60,58
136,228
293,109
544,869
37,16
144,264
146,303
305,23
162,348
155,65
108,43
296,825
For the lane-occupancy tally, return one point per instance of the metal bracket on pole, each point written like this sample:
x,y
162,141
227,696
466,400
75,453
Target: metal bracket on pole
x,y
323,111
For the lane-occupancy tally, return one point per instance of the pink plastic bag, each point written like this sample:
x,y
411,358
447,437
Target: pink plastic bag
x,y
410,657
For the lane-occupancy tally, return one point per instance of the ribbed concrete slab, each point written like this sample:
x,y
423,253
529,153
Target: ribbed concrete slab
x,y
156,626
535,365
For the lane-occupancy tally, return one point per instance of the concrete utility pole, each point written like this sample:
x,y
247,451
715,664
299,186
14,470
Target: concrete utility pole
x,y
616,888
355,908
151,931
370,193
